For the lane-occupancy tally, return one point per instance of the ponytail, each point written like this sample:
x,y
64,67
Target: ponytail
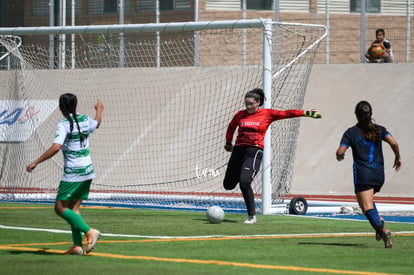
x,y
363,112
67,105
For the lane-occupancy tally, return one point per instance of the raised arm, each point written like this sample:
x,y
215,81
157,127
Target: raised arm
x,y
99,107
278,114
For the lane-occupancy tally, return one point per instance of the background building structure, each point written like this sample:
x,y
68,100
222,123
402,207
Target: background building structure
x,y
343,17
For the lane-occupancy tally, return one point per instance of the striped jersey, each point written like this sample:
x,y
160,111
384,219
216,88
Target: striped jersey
x,y
77,161
252,127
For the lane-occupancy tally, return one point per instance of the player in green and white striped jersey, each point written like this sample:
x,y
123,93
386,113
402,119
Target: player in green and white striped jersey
x,y
72,137
75,147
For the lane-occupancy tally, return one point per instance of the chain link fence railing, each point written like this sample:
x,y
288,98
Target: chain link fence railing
x,y
351,27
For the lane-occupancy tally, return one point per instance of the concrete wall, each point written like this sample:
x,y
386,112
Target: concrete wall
x,y
335,90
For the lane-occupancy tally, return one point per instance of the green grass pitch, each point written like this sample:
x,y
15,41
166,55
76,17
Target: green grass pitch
x,y
143,241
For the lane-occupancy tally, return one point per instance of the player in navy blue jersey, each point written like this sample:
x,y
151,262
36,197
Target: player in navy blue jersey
x,y
365,139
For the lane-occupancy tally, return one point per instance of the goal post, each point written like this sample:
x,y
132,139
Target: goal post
x,y
267,152
170,90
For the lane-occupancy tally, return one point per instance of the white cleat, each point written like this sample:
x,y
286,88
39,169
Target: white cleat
x,y
92,237
75,250
250,220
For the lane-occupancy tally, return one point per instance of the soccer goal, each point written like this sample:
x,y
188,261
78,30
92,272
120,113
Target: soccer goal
x,y
169,92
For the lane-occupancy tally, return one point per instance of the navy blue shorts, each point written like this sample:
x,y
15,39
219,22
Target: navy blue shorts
x,y
366,178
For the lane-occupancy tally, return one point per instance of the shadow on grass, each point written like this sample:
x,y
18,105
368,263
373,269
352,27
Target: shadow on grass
x,y
41,251
224,221
332,244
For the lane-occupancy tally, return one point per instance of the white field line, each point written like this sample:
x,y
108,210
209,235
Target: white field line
x,y
59,231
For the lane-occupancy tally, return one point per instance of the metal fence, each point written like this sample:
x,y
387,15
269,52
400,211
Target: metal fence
x,y
351,23
352,28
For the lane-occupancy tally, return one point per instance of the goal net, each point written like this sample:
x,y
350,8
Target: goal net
x,y
169,92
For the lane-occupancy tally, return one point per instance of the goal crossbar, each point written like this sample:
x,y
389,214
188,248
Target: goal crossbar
x,y
136,28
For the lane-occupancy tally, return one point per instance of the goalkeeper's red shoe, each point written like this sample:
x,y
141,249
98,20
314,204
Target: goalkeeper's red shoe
x,y
74,250
386,236
91,237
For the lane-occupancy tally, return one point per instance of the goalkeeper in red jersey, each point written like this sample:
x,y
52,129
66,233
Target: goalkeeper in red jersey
x,y
247,152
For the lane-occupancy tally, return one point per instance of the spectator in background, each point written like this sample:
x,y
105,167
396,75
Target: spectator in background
x,y
384,54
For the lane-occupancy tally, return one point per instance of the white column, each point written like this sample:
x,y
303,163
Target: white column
x,y
157,20
51,36
62,37
267,88
121,35
73,35
363,30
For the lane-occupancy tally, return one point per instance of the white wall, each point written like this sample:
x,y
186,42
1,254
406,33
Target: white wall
x,y
335,90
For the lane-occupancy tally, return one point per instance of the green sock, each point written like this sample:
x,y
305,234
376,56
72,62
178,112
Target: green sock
x,y
76,236
75,220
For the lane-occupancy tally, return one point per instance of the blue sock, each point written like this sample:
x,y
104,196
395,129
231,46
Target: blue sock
x,y
374,219
381,218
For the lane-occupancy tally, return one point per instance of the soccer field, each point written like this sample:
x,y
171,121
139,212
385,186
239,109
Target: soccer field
x,y
142,241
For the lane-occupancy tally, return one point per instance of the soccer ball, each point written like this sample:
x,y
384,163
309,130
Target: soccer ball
x,y
215,214
376,51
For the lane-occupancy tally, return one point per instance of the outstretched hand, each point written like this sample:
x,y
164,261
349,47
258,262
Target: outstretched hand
x,y
99,105
31,167
313,114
